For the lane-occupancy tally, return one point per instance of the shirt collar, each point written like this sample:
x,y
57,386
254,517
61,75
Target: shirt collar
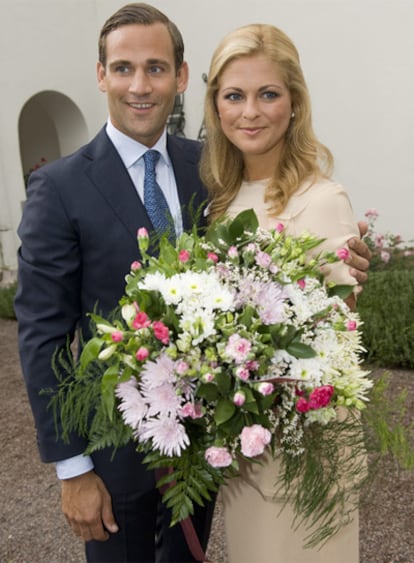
x,y
130,150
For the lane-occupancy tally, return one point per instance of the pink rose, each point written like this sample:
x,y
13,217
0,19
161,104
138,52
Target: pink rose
x,y
302,405
161,332
342,253
239,398
218,457
208,377
263,259
242,373
320,396
385,256
142,354
265,388
181,367
192,410
238,348
232,252
117,336
254,439
184,256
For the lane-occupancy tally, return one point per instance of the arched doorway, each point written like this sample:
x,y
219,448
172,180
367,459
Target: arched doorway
x,y
50,126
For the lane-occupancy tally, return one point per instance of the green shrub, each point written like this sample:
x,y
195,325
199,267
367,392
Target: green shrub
x,y
386,307
6,301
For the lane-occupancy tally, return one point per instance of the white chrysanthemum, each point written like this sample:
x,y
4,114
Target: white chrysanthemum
x,y
308,369
199,324
166,433
153,282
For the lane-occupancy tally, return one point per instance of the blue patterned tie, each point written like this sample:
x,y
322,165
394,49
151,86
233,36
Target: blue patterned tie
x,y
154,199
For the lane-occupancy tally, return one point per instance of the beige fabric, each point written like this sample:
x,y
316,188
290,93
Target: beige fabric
x,y
255,531
322,209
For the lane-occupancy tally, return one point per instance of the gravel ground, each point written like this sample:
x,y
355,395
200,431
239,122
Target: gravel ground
x,y
32,529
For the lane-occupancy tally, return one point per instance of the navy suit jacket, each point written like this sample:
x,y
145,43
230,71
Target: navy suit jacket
x,y
78,240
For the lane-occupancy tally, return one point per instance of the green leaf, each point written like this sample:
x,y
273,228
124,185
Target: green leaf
x,y
342,291
109,380
224,381
208,391
299,350
90,352
224,411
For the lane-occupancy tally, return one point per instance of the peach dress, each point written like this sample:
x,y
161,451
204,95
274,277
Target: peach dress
x,y
255,531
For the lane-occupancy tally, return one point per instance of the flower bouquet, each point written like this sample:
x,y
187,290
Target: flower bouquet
x,y
226,346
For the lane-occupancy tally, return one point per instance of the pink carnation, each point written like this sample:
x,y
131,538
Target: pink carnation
x,y
243,373
371,213
142,354
212,256
238,348
301,283
161,332
342,253
320,396
218,457
184,256
142,232
280,227
232,252
254,439
351,325
302,405
141,320
117,336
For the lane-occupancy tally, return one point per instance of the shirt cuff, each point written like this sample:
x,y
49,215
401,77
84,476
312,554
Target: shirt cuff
x,y
73,466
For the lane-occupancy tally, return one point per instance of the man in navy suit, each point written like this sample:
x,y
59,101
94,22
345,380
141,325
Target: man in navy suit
x,y
78,240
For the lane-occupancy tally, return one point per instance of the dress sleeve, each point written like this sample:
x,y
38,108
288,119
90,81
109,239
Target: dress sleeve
x,y
328,214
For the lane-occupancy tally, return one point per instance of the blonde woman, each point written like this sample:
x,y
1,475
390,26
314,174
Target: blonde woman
x,y
261,153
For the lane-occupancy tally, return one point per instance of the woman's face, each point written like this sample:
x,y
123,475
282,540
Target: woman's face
x,y
254,107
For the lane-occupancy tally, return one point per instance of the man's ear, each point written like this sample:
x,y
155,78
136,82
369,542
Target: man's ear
x,y
101,76
182,78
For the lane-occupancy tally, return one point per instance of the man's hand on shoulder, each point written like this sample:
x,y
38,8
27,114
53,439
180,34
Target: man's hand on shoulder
x,y
87,506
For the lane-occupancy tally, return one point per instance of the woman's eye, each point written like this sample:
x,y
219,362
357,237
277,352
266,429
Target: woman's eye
x,y
233,97
269,95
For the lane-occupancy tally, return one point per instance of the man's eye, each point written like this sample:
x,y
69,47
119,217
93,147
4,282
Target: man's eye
x,y
122,69
155,69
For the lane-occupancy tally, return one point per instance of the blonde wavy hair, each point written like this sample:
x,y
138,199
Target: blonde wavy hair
x,y
303,157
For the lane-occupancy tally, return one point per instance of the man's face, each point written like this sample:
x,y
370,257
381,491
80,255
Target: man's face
x,y
140,80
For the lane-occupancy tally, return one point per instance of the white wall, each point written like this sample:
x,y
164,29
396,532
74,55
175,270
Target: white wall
x,y
357,57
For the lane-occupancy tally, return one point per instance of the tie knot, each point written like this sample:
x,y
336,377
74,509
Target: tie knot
x,y
151,158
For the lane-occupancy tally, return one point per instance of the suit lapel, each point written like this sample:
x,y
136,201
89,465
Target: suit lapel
x,y
185,164
110,177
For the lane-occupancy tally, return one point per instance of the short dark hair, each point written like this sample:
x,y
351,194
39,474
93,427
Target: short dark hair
x,y
143,14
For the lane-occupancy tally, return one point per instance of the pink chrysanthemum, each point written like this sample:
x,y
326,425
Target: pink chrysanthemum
x,y
132,406
166,433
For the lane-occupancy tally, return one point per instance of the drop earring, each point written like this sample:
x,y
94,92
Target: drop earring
x,y
292,115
